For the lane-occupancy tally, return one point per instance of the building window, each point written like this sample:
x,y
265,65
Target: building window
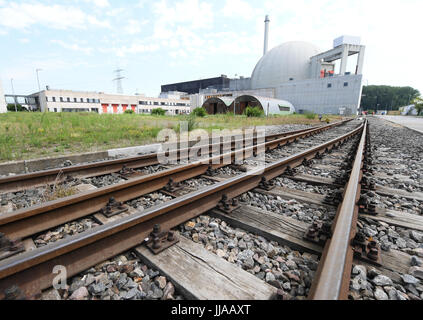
x,y
46,98
68,99
74,99
329,85
82,99
54,99
283,108
345,84
61,99
55,109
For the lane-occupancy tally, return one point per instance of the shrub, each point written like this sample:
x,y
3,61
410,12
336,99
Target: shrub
x,y
11,107
253,112
310,115
130,111
199,112
158,112
191,122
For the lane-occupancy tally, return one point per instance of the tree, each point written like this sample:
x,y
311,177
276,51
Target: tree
x,y
158,111
199,112
418,104
253,112
387,97
11,107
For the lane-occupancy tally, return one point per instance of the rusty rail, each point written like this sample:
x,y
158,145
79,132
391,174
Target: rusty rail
x,y
333,274
32,271
28,221
34,179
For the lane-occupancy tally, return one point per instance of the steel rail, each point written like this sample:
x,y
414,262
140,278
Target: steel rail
x,y
24,181
29,221
32,270
332,278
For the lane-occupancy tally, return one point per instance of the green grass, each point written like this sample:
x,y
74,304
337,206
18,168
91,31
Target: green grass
x,y
29,135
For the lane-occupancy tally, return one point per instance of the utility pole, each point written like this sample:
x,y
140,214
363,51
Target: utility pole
x,y
38,79
14,97
236,88
118,80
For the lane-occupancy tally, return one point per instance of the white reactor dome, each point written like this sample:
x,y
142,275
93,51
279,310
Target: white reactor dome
x,y
288,61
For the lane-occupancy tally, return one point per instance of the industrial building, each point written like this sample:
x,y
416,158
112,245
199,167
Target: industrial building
x,y
53,100
192,87
214,105
295,72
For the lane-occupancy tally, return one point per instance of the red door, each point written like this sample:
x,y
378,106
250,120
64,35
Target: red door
x,y
124,106
133,107
104,107
115,106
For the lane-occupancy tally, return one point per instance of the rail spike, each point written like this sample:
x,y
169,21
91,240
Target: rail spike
x,y
160,240
228,205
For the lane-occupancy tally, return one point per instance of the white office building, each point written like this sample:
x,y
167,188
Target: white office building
x,y
85,101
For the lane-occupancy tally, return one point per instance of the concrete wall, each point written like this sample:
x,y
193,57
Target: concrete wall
x,y
240,84
196,100
315,95
3,107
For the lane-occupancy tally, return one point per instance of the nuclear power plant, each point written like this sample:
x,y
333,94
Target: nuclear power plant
x,y
293,76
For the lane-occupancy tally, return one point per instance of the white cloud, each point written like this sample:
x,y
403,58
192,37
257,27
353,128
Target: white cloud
x,y
73,46
389,29
134,26
141,3
135,47
191,13
115,12
25,15
238,9
99,3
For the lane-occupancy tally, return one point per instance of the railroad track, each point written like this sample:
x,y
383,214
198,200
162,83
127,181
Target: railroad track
x,y
29,221
124,166
86,249
337,180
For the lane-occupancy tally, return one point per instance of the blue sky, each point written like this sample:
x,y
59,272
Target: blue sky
x,y
78,43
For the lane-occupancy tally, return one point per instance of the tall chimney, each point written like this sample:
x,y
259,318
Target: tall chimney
x,y
266,33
